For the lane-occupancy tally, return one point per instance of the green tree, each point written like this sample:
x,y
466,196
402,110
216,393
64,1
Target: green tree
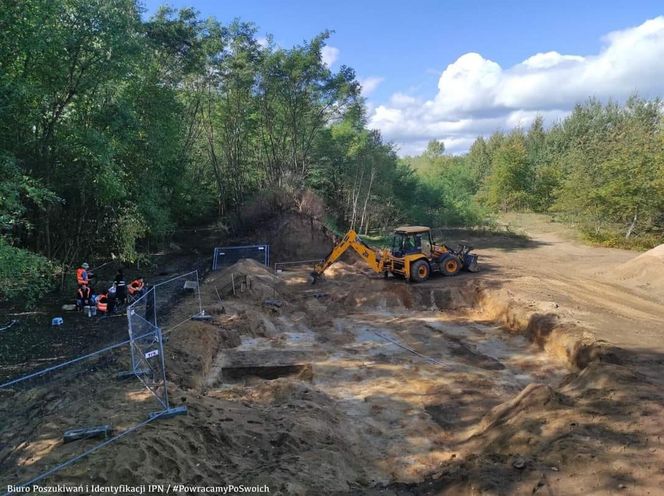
x,y
509,183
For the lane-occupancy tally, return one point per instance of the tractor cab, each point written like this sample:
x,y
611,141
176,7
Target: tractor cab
x,y
409,240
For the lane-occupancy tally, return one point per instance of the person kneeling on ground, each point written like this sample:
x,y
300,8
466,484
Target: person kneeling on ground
x,y
101,301
136,287
83,297
106,301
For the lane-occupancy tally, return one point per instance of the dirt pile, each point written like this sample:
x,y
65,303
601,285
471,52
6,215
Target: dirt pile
x,y
291,235
645,271
192,350
290,222
247,279
297,237
282,433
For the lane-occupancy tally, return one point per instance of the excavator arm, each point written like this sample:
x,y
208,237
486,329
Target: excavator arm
x,y
351,240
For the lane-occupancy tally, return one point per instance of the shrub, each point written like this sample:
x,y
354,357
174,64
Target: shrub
x,y
24,276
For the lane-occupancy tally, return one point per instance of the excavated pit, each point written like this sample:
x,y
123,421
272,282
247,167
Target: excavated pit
x,y
370,386
413,370
240,374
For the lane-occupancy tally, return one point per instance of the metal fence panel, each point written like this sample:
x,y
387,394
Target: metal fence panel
x,y
78,400
52,418
147,349
228,255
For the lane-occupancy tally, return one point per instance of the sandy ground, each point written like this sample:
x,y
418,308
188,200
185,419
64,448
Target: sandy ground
x,y
540,375
589,284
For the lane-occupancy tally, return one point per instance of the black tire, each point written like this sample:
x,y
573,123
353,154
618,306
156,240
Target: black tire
x,y
419,271
450,266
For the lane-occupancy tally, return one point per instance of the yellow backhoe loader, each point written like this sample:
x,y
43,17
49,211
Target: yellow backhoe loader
x,y
413,255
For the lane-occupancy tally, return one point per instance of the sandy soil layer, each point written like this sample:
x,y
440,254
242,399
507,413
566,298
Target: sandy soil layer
x,y
503,382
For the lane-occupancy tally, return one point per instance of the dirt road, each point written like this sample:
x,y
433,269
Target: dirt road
x,y
553,266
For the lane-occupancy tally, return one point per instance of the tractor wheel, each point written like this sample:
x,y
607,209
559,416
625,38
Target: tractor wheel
x,y
419,271
451,266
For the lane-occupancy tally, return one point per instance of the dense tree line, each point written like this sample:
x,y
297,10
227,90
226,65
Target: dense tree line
x,y
602,168
116,129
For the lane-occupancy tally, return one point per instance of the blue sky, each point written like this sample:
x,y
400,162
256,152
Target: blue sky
x,y
402,48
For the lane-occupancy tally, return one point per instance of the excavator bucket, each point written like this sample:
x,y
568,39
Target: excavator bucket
x,y
313,277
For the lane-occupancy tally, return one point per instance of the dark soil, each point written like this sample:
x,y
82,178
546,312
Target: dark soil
x,y
33,344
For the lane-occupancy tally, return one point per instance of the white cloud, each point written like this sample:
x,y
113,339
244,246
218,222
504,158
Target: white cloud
x,y
263,41
329,55
370,84
401,100
477,96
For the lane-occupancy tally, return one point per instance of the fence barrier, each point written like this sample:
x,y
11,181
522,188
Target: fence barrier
x,y
54,417
147,348
75,400
176,301
228,255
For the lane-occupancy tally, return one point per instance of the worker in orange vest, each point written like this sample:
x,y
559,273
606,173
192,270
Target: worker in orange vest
x,y
82,275
136,286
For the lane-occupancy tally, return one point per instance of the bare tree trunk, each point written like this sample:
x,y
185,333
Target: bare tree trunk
x,y
356,197
209,133
366,198
633,224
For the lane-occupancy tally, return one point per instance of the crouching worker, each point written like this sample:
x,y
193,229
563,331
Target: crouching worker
x,y
83,297
137,287
102,302
106,301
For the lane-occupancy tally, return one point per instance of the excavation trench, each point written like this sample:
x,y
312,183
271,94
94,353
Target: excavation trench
x,y
369,386
412,371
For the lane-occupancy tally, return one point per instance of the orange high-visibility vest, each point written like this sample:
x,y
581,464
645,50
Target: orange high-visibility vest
x,y
81,276
135,286
102,303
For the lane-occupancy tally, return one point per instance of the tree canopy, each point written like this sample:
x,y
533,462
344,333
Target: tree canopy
x,y
115,130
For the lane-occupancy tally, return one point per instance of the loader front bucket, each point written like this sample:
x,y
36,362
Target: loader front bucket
x,y
470,262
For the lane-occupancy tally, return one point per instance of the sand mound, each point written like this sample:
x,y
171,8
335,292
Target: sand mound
x,y
341,269
291,235
602,376
248,279
250,267
284,434
192,353
645,271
